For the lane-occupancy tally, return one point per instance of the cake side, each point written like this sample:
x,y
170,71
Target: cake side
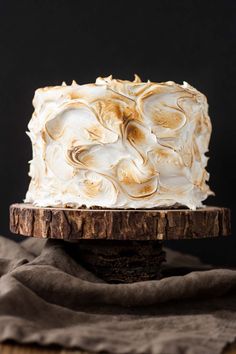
x,y
119,144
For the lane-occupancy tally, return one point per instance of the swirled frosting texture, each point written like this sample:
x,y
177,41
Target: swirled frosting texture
x,y
119,144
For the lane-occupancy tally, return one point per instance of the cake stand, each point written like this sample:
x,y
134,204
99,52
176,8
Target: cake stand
x,y
116,244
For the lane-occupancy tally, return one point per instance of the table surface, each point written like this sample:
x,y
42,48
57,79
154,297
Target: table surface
x,y
23,349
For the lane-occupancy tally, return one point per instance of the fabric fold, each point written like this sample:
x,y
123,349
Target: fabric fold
x,y
47,297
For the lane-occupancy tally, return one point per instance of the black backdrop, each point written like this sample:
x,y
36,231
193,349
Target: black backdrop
x,y
45,42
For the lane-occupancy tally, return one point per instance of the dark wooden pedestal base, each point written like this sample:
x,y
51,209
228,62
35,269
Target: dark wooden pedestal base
x,y
120,261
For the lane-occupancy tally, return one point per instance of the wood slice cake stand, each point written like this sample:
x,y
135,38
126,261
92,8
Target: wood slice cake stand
x,y
116,244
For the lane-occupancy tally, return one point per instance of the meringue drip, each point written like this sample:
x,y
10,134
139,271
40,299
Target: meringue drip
x,y
119,144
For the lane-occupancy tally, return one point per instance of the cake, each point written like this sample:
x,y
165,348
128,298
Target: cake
x,y
119,144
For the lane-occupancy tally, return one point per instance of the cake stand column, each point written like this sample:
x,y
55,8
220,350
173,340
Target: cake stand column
x,y
119,261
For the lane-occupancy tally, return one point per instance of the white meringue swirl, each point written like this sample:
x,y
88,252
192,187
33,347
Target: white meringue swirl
x,y
119,144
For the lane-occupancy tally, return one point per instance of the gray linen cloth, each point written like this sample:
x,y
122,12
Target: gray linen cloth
x,y
48,298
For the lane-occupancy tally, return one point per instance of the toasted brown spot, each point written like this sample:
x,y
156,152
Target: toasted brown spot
x,y
126,176
74,95
134,134
130,113
146,190
108,109
165,119
73,155
79,156
187,158
196,150
75,104
87,160
95,133
92,188
115,110
44,136
198,127
162,152
112,110
152,171
157,90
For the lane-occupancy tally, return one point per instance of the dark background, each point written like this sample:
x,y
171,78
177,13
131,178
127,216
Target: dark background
x,y
46,42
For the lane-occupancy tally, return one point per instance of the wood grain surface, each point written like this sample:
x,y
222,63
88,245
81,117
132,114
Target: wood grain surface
x,y
131,224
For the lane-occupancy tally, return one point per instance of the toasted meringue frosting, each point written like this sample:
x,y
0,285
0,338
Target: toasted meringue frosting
x,y
119,144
